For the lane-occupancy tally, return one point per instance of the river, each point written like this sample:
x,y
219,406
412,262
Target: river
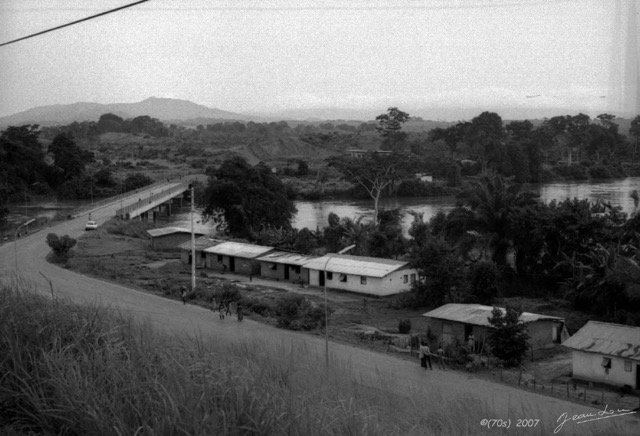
x,y
314,214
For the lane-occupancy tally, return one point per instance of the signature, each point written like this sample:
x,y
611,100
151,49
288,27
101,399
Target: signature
x,y
587,417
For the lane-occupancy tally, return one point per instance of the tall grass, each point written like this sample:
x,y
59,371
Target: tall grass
x,y
67,369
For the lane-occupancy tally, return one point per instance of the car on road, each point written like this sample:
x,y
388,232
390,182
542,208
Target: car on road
x,y
91,225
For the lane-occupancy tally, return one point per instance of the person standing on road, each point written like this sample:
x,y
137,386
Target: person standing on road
x,y
423,355
240,314
221,310
441,358
427,356
183,293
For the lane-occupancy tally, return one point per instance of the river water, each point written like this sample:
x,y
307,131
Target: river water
x,y
314,214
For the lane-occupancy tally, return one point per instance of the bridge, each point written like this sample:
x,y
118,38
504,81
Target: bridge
x,y
166,196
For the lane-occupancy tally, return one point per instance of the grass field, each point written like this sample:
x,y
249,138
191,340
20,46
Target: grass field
x,y
67,369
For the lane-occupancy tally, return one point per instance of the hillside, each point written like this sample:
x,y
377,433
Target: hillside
x,y
160,108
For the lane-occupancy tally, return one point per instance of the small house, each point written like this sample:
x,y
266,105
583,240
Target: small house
x,y
365,275
236,257
424,177
200,245
606,353
454,323
280,265
169,238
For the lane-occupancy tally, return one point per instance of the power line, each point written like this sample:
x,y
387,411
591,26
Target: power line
x,y
75,22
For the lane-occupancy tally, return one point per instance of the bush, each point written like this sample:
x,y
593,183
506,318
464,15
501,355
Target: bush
x,y
418,188
60,245
404,326
131,228
296,312
600,172
484,282
256,306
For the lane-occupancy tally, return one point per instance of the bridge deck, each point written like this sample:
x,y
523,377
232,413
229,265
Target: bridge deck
x,y
151,201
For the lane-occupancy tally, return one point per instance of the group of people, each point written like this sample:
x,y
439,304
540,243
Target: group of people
x,y
223,309
424,352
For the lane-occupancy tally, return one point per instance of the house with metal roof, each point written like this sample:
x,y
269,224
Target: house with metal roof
x,y
200,244
454,323
236,257
606,353
365,275
280,265
169,238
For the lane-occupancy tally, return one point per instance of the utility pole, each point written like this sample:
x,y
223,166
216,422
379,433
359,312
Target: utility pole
x,y
193,243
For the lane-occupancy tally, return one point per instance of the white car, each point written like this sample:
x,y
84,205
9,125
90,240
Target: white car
x,y
91,225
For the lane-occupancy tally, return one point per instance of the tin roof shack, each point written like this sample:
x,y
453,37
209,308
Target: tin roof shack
x,y
169,238
236,257
606,353
200,244
280,265
453,323
365,275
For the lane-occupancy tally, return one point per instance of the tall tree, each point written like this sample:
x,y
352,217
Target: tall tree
x,y
68,157
390,126
508,338
374,172
486,136
252,197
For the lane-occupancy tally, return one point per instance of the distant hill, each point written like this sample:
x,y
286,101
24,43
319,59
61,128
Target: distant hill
x,y
164,109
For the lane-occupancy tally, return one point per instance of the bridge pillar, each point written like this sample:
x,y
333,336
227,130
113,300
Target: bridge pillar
x,y
155,216
168,209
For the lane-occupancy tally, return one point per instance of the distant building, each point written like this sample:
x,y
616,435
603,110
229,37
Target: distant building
x,y
235,257
365,275
424,177
453,323
280,265
169,238
606,353
354,152
200,245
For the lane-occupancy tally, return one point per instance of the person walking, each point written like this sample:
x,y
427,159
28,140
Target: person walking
x,y
441,358
423,360
221,310
240,314
183,293
427,356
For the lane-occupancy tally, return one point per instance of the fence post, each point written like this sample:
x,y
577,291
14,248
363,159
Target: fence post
x,y
585,394
602,397
567,389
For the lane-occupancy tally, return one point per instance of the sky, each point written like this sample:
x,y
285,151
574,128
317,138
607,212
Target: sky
x,y
272,55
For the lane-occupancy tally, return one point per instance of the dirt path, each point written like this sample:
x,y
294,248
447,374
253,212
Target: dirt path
x,y
373,369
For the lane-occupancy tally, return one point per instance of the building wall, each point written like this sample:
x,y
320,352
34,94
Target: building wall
x,y
452,332
200,260
169,242
267,271
218,263
588,366
393,283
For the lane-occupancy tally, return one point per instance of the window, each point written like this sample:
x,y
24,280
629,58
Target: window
x,y
219,257
413,278
363,280
343,278
296,269
405,279
606,363
627,366
329,276
274,266
203,255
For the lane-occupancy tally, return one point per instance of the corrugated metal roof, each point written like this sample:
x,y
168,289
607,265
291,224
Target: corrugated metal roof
x,y
287,258
169,230
605,338
239,249
357,265
478,314
201,243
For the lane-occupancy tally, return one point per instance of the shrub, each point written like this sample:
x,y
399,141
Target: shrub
x,y
600,172
296,312
404,326
60,245
484,282
131,228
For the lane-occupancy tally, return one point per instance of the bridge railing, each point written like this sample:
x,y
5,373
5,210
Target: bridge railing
x,y
142,202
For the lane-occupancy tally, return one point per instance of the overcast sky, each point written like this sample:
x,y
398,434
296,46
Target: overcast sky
x,y
261,56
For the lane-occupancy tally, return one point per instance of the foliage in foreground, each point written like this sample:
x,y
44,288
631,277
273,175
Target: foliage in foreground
x,y
76,370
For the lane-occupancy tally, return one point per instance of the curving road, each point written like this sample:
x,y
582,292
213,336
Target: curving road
x,y
374,369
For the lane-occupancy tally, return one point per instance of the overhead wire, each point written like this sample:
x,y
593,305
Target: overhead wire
x,y
75,22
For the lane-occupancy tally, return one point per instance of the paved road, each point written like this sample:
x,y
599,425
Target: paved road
x,y
374,369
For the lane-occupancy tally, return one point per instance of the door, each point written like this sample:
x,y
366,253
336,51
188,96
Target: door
x,y
232,263
447,335
320,278
286,272
190,259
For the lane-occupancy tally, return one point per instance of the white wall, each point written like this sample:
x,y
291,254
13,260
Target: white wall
x,y
588,366
389,285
